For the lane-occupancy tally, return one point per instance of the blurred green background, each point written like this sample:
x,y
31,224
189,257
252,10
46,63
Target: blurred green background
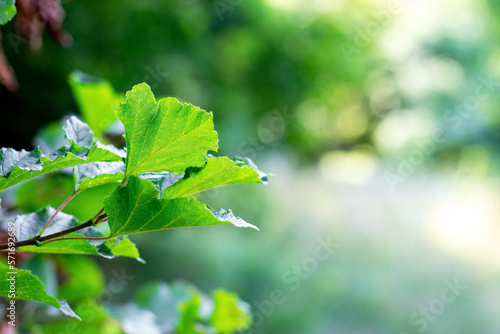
x,y
379,120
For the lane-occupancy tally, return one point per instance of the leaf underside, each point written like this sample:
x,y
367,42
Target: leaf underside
x,y
19,166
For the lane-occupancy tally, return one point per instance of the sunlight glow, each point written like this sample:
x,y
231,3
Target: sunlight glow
x,y
351,167
466,224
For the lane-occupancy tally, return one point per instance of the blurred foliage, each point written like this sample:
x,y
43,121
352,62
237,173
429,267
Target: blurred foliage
x,y
232,65
312,80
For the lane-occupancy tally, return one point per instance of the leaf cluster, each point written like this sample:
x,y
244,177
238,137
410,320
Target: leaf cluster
x,y
164,163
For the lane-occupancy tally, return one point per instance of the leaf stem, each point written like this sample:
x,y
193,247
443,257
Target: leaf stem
x,y
125,180
78,238
70,197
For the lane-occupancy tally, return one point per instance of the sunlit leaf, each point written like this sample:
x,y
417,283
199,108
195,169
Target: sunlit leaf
x,y
189,320
230,313
136,208
217,172
166,135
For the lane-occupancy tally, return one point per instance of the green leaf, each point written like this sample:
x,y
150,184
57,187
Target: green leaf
x,y
230,313
136,208
122,246
28,287
190,318
217,172
95,320
166,135
19,166
28,226
96,100
7,10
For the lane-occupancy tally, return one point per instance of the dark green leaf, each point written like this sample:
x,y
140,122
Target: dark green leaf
x,y
136,208
166,135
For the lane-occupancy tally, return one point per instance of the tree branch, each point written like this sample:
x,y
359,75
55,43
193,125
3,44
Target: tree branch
x,y
38,239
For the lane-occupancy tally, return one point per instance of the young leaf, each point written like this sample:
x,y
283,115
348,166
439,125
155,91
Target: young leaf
x,y
217,172
28,225
96,100
16,167
166,135
7,10
230,314
136,208
28,287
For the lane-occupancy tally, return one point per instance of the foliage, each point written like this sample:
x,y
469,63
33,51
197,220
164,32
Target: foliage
x,y
158,308
152,181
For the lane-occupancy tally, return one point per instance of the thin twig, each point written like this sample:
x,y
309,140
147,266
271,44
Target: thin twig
x,y
70,197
